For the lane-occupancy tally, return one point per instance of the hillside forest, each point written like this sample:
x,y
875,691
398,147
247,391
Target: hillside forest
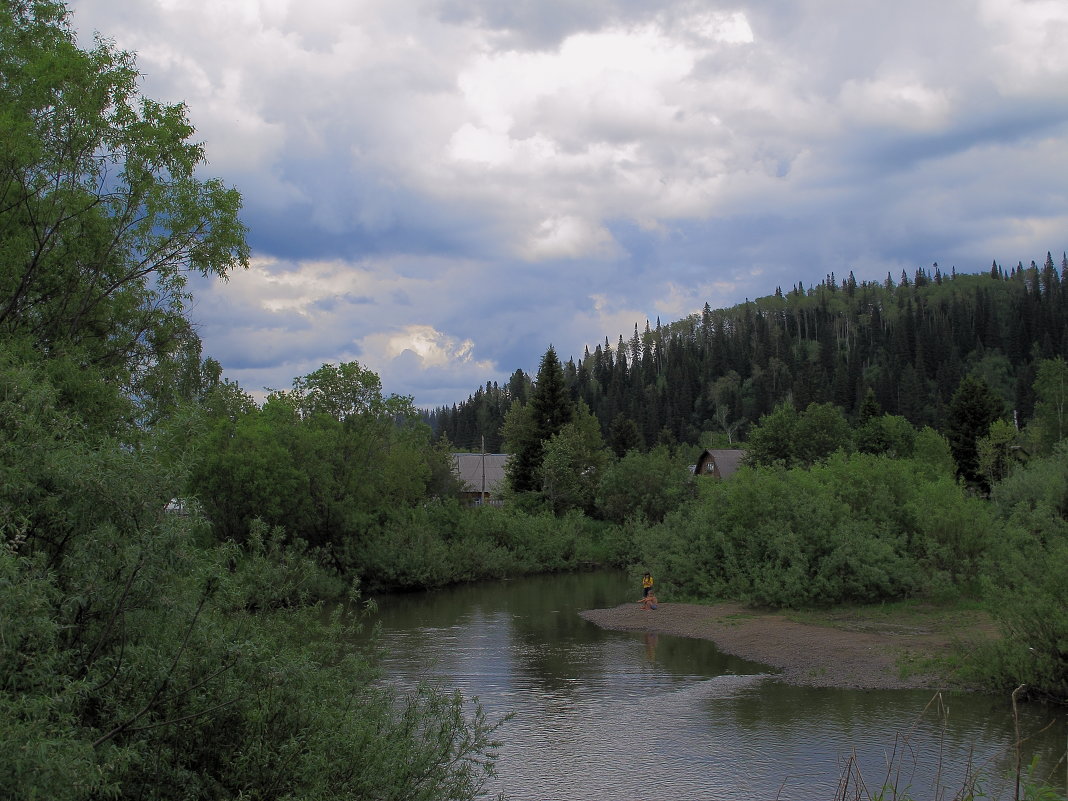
x,y
710,377
187,575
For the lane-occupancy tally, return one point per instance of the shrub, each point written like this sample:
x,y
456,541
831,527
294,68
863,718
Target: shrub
x,y
854,529
138,663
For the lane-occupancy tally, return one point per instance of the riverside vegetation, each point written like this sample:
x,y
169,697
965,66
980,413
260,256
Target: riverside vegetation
x,y
145,653
166,541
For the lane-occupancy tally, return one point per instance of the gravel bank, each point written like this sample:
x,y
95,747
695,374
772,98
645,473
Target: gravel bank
x,y
818,656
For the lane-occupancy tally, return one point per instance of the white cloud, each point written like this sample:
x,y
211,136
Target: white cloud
x,y
1028,42
496,148
432,347
895,102
730,27
569,237
301,315
442,191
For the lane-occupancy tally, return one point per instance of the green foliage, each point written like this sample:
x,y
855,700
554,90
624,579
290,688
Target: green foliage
x,y
994,369
624,436
932,454
550,403
519,438
141,658
142,663
972,411
1036,496
821,431
325,469
572,464
644,485
998,451
773,440
888,434
346,391
245,471
527,429
103,215
788,438
1051,404
1027,576
868,348
852,530
192,694
439,544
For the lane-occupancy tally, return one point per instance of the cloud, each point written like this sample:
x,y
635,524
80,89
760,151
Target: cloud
x,y
440,188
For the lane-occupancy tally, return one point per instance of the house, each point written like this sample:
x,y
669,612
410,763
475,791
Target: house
x,y
720,463
482,476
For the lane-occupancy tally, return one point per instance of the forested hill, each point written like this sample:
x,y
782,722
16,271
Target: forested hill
x,y
911,342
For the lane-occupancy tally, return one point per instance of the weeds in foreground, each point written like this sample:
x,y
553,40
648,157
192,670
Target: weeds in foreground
x,y
1028,783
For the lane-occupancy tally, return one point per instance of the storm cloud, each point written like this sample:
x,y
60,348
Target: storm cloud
x,y
441,189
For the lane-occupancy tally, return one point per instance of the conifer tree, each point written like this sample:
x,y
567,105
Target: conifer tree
x,y
528,428
972,411
624,436
550,402
870,408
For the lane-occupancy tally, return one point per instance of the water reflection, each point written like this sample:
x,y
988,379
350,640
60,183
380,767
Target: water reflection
x,y
602,714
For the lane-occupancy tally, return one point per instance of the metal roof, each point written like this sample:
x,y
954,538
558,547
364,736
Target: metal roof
x,y
469,469
725,460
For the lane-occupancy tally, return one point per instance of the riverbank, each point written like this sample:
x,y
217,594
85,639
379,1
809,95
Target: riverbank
x,y
847,650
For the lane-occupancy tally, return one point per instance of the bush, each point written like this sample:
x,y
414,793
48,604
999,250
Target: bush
x,y
1032,614
137,663
1026,575
441,543
852,530
648,485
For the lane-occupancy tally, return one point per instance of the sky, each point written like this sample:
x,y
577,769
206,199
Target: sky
x,y
440,189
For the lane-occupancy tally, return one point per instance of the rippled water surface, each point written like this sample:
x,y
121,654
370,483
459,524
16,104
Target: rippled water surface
x,y
613,715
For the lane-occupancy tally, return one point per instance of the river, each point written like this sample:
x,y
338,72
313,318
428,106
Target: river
x,y
615,715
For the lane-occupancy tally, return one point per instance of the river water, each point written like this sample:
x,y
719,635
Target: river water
x,y
636,715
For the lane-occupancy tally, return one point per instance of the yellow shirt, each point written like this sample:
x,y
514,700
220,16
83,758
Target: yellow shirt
x,y
647,581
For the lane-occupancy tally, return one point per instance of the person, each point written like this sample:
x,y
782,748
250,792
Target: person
x,y
648,602
647,584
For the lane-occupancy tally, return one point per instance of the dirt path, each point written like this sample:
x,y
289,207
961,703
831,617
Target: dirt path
x,y
853,652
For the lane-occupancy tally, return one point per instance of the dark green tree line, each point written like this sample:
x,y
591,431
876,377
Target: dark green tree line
x,y
908,342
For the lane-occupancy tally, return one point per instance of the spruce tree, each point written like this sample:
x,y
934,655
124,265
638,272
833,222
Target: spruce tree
x,y
972,411
624,436
870,408
529,428
551,403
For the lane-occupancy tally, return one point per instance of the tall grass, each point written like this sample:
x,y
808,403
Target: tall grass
x,y
1026,781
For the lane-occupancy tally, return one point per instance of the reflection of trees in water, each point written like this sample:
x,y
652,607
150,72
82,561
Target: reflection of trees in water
x,y
529,626
555,645
683,656
552,643
527,638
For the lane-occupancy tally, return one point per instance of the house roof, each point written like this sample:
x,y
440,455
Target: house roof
x,y
469,467
723,462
